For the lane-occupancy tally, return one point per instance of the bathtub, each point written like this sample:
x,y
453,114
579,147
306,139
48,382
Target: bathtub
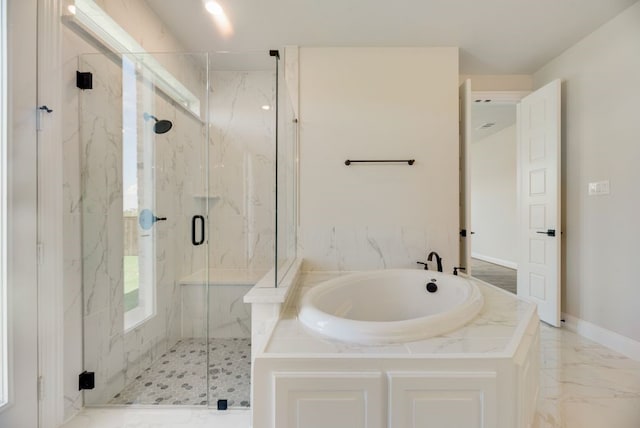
x,y
390,306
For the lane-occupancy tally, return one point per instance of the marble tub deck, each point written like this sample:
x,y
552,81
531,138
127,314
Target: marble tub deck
x,y
496,329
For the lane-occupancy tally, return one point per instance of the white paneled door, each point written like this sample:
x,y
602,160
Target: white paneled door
x,y
539,200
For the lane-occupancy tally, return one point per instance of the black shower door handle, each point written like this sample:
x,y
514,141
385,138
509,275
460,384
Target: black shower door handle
x,y
194,222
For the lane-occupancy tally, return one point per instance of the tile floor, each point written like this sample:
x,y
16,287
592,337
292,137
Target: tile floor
x,y
582,385
178,377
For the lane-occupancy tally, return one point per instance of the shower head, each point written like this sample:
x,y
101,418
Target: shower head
x,y
161,126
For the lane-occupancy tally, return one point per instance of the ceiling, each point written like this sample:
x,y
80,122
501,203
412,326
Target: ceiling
x,y
501,115
494,36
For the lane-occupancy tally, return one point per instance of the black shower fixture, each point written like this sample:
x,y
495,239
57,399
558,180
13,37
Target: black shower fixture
x,y
161,126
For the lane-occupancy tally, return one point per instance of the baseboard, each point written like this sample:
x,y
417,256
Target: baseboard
x,y
495,261
604,337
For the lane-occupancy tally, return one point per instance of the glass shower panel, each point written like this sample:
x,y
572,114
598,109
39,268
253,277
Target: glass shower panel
x,y
144,180
242,158
286,203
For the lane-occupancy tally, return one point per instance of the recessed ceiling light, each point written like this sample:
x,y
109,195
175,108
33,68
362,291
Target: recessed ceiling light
x,y
486,125
72,9
213,8
266,107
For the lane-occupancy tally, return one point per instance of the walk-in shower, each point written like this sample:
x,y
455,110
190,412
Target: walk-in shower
x,y
177,226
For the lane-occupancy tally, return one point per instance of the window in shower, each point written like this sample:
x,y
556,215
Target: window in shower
x,y
137,155
3,203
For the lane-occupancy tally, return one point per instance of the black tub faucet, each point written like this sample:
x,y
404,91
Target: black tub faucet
x,y
425,265
438,259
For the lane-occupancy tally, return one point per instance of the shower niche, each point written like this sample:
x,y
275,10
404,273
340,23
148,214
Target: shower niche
x,y
177,165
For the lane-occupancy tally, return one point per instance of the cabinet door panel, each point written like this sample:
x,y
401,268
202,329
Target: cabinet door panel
x,y
442,400
330,399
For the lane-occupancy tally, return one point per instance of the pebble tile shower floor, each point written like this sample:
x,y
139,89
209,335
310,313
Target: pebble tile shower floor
x,y
178,377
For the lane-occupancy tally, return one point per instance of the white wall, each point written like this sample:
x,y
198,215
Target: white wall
x,y
498,82
378,103
493,197
601,76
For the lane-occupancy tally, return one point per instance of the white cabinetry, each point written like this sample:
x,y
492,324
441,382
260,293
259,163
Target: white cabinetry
x,y
325,399
442,399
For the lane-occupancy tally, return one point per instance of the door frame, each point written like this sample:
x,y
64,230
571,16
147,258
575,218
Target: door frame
x,y
503,97
515,97
50,216
21,408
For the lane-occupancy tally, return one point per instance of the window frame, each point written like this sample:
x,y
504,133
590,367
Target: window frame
x,y
146,308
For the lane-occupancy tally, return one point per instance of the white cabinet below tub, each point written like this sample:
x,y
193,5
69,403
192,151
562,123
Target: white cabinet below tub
x,y
395,399
442,399
329,399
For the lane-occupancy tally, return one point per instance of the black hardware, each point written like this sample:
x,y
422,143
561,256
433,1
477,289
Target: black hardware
x,y
86,380
432,287
45,108
84,80
549,232
425,265
274,52
463,233
457,268
438,260
194,220
222,405
408,161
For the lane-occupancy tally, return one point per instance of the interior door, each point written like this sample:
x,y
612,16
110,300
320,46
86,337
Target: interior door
x,y
465,187
539,200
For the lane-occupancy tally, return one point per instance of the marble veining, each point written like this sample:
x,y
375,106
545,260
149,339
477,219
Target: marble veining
x,y
242,136
366,247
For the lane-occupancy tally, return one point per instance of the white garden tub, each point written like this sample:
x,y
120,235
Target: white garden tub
x,y
390,306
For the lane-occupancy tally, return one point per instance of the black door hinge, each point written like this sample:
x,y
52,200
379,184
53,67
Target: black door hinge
x,y
86,380
84,80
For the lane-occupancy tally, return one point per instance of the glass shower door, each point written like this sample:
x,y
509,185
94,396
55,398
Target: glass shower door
x,y
144,184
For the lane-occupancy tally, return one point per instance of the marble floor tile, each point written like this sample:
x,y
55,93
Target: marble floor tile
x,y
160,417
582,385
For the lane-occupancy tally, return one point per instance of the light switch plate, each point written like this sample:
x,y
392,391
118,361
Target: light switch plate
x,y
599,188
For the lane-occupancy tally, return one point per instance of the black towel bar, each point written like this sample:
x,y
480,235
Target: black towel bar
x,y
408,161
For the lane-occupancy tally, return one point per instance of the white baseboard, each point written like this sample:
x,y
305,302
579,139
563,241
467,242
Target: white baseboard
x,y
495,261
604,337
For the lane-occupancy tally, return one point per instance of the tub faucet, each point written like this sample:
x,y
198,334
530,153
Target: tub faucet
x,y
438,259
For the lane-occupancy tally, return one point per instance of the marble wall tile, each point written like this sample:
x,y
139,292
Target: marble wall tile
x,y
363,247
229,316
72,211
242,143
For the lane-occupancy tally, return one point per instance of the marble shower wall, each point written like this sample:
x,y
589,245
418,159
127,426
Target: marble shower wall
x,y
117,356
242,148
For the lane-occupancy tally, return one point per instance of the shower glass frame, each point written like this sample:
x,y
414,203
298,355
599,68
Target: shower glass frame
x,y
126,170
230,181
